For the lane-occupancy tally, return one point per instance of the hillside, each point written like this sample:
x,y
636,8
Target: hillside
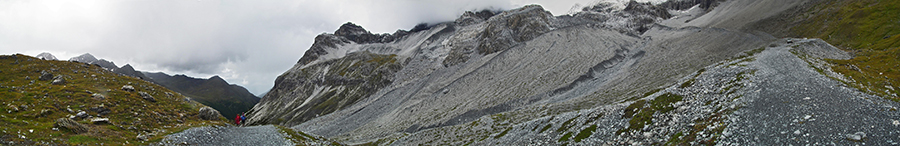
x,y
229,99
68,103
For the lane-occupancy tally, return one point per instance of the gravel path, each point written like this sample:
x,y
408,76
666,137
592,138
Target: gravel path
x,y
267,135
798,105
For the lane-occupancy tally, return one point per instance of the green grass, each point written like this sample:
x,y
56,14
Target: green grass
x,y
502,133
545,128
565,137
81,139
870,29
565,125
585,133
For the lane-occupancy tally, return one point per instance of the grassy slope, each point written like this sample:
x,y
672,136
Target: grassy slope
x,y
867,28
130,114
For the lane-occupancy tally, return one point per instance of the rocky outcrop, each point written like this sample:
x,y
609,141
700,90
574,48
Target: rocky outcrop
x,y
513,27
469,17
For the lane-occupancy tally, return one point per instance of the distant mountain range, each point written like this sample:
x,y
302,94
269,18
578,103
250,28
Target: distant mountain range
x,y
228,99
215,92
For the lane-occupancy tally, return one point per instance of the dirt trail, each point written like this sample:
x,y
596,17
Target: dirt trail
x,y
798,105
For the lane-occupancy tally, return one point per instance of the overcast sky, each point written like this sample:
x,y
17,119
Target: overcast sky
x,y
248,43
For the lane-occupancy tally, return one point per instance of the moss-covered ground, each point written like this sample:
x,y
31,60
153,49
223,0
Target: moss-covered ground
x,y
870,30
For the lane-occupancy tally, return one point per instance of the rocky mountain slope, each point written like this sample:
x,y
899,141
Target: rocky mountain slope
x,y
47,102
681,72
229,99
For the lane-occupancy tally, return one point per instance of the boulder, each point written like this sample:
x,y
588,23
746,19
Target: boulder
x,y
45,76
98,96
81,115
858,136
65,123
58,80
100,110
208,113
128,88
100,121
147,96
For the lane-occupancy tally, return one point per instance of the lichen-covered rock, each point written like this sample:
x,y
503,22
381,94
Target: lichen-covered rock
x,y
208,113
65,123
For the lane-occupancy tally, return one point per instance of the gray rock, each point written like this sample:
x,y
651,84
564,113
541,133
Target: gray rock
x,y
98,96
208,113
45,76
81,115
70,124
858,136
100,121
58,80
147,96
128,88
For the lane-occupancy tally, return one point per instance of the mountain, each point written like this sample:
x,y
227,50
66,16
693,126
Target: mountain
x,y
48,102
228,99
90,59
129,71
215,92
683,72
46,56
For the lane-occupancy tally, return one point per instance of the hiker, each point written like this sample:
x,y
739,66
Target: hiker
x,y
237,120
243,118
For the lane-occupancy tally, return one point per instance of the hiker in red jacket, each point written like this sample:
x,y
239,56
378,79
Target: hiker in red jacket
x,y
237,120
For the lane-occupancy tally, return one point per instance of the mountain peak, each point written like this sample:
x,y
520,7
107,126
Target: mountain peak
x,y
46,56
350,29
217,79
86,58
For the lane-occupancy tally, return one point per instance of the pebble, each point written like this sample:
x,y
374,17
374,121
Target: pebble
x,y
896,123
797,132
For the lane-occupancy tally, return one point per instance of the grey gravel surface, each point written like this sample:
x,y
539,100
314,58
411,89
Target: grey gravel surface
x,y
266,135
798,105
